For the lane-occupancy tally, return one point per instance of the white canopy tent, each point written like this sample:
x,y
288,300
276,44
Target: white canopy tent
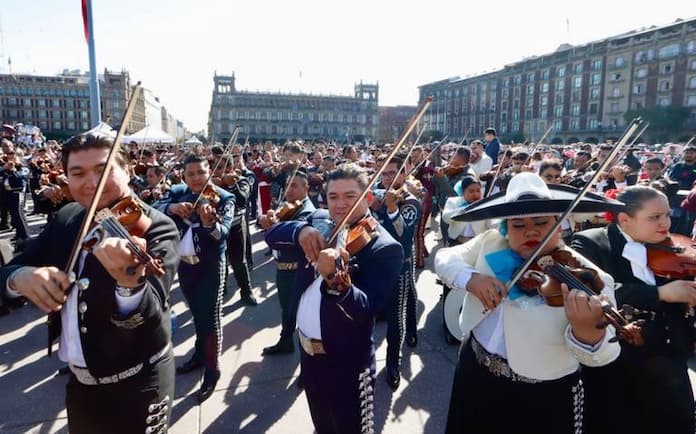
x,y
103,129
193,141
149,134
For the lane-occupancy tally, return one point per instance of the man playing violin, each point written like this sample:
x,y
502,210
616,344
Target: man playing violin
x,y
288,259
447,177
115,332
203,214
336,315
398,212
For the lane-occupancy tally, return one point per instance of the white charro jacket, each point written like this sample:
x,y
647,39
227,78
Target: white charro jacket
x,y
537,336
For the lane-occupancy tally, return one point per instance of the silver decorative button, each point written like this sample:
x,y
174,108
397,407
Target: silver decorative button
x,y
82,307
669,340
83,330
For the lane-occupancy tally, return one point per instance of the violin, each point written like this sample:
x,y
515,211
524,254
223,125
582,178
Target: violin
x,y
549,272
357,238
123,220
673,258
451,171
288,210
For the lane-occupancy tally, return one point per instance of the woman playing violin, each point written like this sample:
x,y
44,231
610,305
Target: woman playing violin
x,y
115,333
650,384
520,356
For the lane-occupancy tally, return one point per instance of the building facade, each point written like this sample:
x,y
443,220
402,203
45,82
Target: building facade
x,y
60,105
393,121
279,117
582,92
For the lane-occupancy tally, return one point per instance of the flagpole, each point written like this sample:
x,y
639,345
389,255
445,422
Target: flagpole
x,y
94,98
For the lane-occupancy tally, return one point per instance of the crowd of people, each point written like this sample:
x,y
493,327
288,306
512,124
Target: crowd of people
x,y
347,248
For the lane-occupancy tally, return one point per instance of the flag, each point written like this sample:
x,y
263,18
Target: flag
x,y
85,22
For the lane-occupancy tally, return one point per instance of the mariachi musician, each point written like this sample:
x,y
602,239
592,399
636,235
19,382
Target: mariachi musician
x,y
115,332
336,314
203,214
297,207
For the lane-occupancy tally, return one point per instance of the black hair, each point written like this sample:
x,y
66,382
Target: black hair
x,y
193,158
83,142
655,160
348,171
550,164
635,196
490,130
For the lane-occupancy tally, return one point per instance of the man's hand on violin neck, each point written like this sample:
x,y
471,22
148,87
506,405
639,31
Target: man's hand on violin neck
x,y
118,260
182,209
208,215
44,286
312,243
326,262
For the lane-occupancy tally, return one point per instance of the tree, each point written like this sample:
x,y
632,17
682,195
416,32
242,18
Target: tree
x,y
432,135
664,121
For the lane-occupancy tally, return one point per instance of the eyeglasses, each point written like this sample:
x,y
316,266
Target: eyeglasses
x,y
389,173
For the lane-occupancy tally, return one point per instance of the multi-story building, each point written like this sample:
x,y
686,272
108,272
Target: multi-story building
x,y
393,121
581,91
60,105
279,117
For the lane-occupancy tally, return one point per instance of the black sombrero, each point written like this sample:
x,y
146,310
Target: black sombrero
x,y
528,196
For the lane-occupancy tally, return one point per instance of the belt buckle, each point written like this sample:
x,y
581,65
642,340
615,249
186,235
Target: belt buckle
x,y
306,344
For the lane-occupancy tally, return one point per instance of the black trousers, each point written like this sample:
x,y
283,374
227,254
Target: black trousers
x,y
237,256
340,395
19,221
4,210
130,406
482,403
202,288
645,395
287,296
401,315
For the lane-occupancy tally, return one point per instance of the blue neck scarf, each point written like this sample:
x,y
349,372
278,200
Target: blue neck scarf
x,y
504,263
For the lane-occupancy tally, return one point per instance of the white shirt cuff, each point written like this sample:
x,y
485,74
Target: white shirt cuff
x,y
392,216
463,277
127,305
581,345
9,291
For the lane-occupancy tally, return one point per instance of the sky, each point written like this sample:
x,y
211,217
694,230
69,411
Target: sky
x,y
175,46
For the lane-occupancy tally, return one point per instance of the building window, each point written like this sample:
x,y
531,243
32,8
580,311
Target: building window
x,y
558,99
544,100
691,100
530,77
692,82
616,92
543,113
577,68
596,78
691,47
638,88
545,74
85,125
594,93
544,87
637,105
665,85
616,76
619,62
641,72
597,64
594,124
666,68
593,109
614,107
83,115
560,85
560,71
57,125
670,50
558,111
663,101
575,110
577,82
530,90
558,125
574,124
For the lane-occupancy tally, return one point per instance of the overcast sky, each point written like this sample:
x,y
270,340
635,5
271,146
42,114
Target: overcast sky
x,y
175,46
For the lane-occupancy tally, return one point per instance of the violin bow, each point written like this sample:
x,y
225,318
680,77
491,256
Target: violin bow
x,y
409,128
233,139
92,209
410,151
691,140
466,135
633,126
423,162
531,153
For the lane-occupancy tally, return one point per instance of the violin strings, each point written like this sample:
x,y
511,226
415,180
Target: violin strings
x,y
569,278
117,229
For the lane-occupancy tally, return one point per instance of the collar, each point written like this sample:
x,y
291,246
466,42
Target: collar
x,y
637,255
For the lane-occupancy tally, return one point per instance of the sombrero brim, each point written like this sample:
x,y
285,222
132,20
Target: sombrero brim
x,y
495,206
